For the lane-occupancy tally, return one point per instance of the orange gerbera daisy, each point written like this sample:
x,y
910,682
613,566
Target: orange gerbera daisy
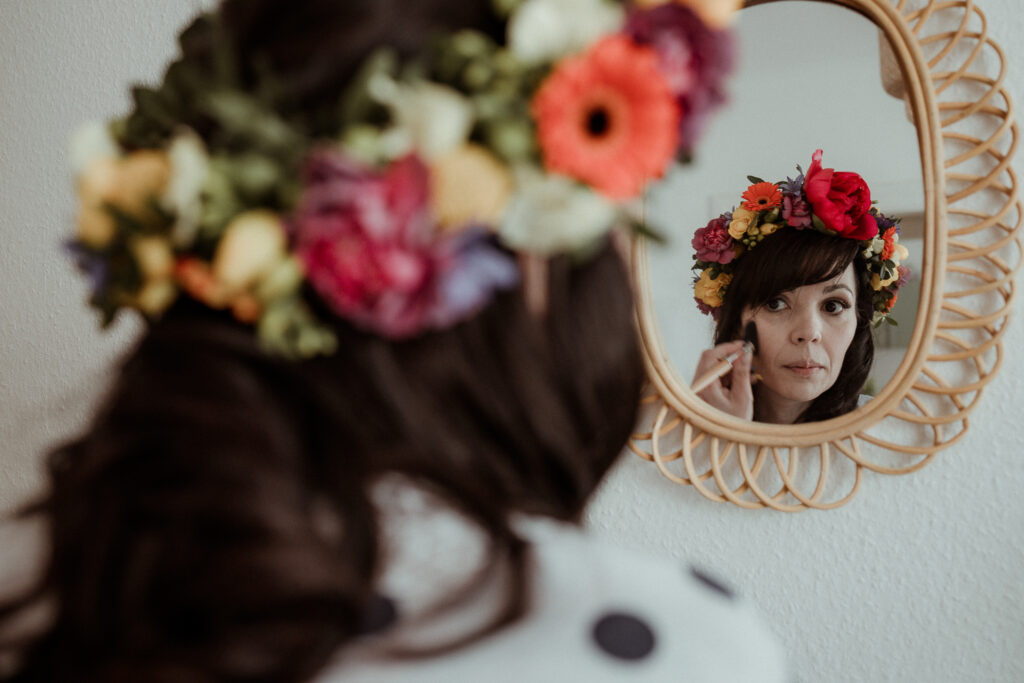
x,y
760,196
889,238
607,117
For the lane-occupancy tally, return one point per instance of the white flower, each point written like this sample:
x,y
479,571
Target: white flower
x,y
546,30
189,166
435,118
550,213
91,142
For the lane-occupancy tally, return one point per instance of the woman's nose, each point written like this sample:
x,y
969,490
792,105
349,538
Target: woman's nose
x,y
806,328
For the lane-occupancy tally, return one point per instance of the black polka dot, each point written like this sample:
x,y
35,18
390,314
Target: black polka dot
x,y
623,636
380,612
711,582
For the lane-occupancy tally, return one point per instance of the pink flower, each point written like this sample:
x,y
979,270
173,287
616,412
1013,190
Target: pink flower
x,y
694,58
796,211
372,251
713,242
841,200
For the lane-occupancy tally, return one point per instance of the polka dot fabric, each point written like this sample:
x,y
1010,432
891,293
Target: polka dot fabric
x,y
598,614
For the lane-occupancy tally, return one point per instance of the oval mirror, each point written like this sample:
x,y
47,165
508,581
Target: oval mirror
x,y
892,92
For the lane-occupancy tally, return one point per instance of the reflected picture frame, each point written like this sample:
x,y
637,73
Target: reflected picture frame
x,y
953,76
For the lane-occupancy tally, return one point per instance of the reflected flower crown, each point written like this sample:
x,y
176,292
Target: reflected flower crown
x,y
406,217
829,201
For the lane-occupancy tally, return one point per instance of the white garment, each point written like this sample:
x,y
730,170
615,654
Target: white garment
x,y
598,613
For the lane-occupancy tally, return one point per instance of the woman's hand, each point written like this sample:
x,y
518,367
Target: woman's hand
x,y
732,391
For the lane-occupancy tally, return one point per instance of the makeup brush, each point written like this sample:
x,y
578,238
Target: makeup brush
x,y
725,365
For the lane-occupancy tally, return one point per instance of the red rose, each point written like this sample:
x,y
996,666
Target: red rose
x,y
841,200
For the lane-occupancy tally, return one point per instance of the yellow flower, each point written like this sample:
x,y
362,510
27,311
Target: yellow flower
x,y
715,13
253,243
155,296
740,222
141,177
877,282
468,185
710,290
769,228
155,260
129,183
154,256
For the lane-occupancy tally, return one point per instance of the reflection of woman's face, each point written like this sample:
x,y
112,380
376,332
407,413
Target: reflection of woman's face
x,y
803,335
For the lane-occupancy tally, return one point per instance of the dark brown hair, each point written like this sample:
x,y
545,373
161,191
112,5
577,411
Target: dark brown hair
x,y
214,521
793,258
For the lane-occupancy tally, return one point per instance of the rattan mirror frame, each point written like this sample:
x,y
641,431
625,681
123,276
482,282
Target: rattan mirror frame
x,y
943,50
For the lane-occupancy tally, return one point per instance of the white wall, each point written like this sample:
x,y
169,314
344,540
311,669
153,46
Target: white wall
x,y
918,579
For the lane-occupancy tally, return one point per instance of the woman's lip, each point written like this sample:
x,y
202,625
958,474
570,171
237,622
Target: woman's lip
x,y
804,370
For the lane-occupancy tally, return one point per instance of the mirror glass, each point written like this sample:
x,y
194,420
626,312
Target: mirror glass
x,y
810,76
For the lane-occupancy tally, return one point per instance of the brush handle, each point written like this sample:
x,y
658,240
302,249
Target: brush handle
x,y
720,368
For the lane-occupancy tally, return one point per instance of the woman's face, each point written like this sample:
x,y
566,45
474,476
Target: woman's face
x,y
803,335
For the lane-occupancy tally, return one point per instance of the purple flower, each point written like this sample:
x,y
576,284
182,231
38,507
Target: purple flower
x,y
713,242
694,58
884,223
904,275
94,265
796,211
371,249
794,187
707,310
478,268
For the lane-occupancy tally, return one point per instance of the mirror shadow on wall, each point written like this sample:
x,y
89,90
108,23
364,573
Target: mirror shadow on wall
x,y
809,77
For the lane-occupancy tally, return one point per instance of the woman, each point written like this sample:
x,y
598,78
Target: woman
x,y
359,431
813,266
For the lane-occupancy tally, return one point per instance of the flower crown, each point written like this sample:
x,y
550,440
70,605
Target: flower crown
x,y
404,218
832,202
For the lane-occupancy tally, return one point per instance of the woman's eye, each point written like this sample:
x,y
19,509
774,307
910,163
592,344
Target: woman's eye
x,y
836,306
776,304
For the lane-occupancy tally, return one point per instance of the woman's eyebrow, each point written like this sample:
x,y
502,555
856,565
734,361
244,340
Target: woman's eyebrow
x,y
839,285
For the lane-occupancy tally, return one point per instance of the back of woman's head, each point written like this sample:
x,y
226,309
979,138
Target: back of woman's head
x,y
215,520
793,258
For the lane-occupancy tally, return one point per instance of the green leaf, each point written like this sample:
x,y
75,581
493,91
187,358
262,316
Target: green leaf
x,y
891,321
155,106
645,230
754,179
